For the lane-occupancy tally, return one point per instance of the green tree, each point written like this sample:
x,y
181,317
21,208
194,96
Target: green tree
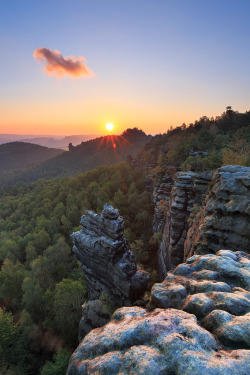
x,y
13,349
11,278
32,299
69,296
59,364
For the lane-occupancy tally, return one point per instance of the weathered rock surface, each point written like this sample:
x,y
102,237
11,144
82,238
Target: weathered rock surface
x,y
106,260
160,342
95,313
222,200
174,197
161,198
215,288
224,221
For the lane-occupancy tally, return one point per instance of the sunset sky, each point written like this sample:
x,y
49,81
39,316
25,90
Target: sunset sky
x,y
70,67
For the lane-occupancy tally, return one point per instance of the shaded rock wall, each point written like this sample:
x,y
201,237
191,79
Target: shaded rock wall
x,y
224,220
201,213
174,197
106,260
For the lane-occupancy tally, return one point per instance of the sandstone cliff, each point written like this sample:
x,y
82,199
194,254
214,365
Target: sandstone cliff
x,y
174,197
224,220
201,213
108,264
201,319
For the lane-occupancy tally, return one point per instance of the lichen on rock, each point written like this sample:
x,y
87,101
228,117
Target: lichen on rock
x,y
160,342
215,288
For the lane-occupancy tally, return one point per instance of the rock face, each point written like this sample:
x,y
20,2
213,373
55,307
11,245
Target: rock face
x,y
224,221
174,198
215,288
95,313
201,323
159,342
106,260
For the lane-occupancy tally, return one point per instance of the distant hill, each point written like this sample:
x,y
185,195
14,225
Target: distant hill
x,y
88,155
62,142
19,155
47,141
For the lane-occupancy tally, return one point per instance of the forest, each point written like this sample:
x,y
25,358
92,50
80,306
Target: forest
x,y
83,157
42,286
205,144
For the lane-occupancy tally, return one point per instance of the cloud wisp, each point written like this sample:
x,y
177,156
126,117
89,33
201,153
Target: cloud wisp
x,y
59,66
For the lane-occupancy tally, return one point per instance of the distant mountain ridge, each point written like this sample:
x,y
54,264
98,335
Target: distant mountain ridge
x,y
19,155
52,141
86,156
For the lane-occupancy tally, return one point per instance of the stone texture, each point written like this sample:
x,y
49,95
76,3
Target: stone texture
x,y
95,314
106,260
215,288
230,330
224,221
174,196
160,342
199,213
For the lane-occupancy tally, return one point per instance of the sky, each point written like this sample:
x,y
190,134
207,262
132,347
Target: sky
x,y
70,67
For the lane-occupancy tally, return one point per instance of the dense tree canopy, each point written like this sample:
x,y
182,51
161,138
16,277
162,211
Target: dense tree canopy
x,y
41,281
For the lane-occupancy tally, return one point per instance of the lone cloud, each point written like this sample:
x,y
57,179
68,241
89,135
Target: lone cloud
x,y
56,64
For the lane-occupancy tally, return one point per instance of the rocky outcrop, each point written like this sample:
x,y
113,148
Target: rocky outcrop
x,y
224,220
199,213
174,198
160,342
161,199
215,288
202,309
108,264
95,313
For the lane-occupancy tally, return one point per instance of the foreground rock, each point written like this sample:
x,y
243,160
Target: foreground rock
x,y
108,264
224,221
215,288
159,342
202,325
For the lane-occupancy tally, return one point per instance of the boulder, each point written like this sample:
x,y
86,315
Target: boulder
x,y
160,342
216,289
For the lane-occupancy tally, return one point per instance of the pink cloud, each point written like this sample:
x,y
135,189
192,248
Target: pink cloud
x,y
56,64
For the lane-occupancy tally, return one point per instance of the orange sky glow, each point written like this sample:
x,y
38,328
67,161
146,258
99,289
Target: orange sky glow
x,y
145,64
73,117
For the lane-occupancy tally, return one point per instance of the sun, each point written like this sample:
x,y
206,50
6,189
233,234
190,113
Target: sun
x,y
109,126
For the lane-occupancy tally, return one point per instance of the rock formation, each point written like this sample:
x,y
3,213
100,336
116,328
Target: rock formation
x,y
212,289
224,221
106,260
174,197
159,342
202,309
215,288
222,200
